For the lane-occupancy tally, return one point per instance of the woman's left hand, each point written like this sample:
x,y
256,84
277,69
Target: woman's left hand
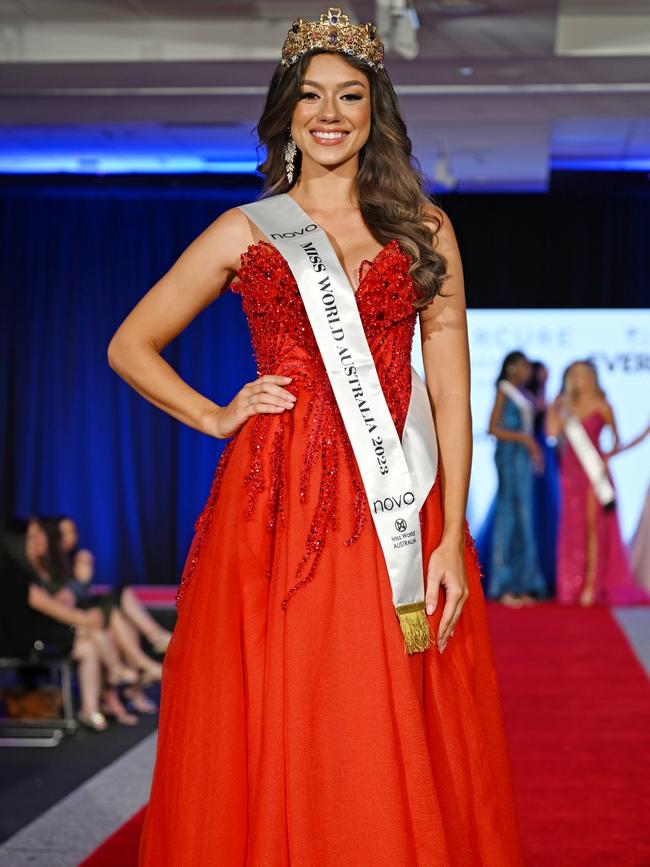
x,y
446,568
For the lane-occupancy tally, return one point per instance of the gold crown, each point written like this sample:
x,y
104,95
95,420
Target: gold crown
x,y
333,33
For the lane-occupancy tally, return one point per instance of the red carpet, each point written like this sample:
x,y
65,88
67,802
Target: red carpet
x,y
121,848
577,707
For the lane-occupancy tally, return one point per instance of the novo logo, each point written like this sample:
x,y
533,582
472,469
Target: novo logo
x,y
390,503
297,234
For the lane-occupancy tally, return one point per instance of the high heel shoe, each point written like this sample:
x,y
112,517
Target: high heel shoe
x,y
95,720
123,676
120,714
159,640
140,702
527,599
150,675
587,597
510,600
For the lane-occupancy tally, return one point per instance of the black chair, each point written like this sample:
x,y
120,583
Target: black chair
x,y
40,732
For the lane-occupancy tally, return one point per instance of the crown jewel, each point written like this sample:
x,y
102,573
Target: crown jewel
x,y
333,32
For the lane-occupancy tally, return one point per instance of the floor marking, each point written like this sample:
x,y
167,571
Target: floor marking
x,y
69,831
635,623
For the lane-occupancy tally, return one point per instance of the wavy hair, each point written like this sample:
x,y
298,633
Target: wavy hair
x,y
566,377
389,183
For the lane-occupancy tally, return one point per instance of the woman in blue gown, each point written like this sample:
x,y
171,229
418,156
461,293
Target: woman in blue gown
x,y
546,485
515,574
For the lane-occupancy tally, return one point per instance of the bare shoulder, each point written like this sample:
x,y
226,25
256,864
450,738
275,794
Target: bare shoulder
x,y
229,234
433,214
499,399
440,223
605,409
450,302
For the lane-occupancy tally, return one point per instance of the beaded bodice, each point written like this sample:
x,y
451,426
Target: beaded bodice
x,y
284,344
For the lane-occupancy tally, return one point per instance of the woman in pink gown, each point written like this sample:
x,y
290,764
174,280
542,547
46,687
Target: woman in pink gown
x,y
592,563
640,546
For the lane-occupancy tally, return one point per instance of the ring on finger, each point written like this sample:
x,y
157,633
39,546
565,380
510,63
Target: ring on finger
x,y
250,399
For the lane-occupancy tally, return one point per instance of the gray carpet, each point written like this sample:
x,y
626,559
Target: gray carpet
x,y
69,831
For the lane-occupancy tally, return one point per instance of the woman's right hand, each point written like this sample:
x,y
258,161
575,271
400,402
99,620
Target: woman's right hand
x,y
263,395
536,454
560,405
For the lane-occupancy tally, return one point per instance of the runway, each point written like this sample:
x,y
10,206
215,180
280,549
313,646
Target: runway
x,y
576,695
576,698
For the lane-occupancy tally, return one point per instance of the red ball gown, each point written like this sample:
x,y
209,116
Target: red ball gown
x,y
294,728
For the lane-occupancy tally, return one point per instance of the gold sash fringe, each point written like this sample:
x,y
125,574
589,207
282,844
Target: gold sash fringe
x,y
415,626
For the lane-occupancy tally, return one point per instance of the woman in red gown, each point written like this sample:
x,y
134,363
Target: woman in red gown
x,y
294,728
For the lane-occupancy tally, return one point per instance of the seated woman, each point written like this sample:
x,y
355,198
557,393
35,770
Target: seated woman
x,y
63,532
116,673
31,618
72,569
83,570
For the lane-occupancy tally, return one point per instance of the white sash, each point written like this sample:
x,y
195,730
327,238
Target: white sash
x,y
397,477
522,403
590,459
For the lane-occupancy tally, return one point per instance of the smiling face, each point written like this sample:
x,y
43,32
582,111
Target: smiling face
x,y
331,120
581,380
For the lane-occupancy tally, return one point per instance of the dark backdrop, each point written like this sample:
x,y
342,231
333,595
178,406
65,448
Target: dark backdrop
x,y
77,253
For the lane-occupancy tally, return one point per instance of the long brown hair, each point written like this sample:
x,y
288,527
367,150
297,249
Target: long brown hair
x,y
389,183
57,561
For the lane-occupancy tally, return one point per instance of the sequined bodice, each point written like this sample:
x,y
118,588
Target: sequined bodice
x,y
284,342
511,417
593,425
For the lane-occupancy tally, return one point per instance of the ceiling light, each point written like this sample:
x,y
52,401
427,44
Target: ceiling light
x,y
443,174
398,23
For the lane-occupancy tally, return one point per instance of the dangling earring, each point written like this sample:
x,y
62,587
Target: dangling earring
x,y
289,154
